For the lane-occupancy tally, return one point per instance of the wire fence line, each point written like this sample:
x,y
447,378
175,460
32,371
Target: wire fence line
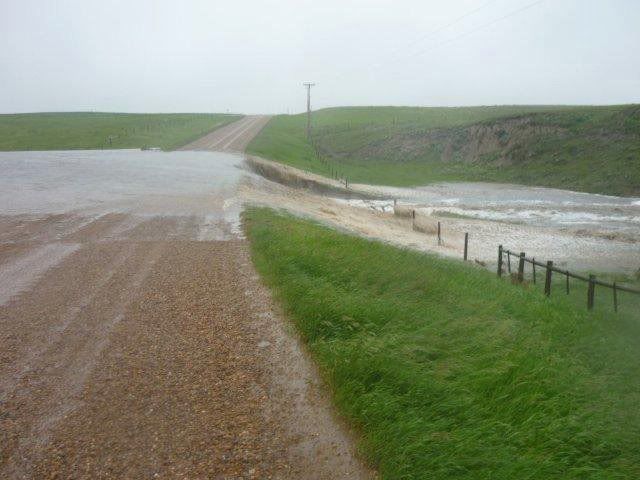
x,y
590,280
521,260
550,269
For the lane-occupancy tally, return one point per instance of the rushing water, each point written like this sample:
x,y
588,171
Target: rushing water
x,y
543,207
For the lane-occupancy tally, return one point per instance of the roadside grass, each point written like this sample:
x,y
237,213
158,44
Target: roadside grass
x,y
89,131
595,149
628,303
449,372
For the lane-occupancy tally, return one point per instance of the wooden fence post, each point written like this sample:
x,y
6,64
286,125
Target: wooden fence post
x,y
591,292
567,286
499,260
439,237
521,268
533,265
615,297
508,261
413,219
547,280
466,246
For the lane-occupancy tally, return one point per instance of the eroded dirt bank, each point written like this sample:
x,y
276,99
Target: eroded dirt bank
x,y
553,230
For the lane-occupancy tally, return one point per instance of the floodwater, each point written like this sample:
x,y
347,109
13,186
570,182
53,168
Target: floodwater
x,y
122,180
51,203
199,195
617,217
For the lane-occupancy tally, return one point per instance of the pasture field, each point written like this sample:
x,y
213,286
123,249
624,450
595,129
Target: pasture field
x,y
89,131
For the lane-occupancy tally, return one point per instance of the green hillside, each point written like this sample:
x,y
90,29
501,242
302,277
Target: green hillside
x,y
77,131
594,149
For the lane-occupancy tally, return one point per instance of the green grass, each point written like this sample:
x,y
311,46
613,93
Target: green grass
x,y
77,131
447,371
595,149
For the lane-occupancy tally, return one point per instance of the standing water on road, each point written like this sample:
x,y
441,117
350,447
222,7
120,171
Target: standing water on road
x,y
63,181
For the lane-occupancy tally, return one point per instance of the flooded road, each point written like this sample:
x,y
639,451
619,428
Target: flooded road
x,y
134,328
99,180
136,339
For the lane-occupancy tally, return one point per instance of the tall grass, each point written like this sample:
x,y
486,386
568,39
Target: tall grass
x,y
87,131
449,372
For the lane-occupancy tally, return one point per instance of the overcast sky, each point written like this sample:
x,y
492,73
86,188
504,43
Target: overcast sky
x,y
252,56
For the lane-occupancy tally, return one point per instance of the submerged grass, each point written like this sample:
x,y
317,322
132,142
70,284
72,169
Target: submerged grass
x,y
449,372
89,130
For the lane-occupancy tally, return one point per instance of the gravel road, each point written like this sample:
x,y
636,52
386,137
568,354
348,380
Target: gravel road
x,y
137,341
231,138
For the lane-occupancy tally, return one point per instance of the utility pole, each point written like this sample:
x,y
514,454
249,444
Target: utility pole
x,y
309,85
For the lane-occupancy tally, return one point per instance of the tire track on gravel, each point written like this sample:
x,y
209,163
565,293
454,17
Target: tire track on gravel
x,y
65,370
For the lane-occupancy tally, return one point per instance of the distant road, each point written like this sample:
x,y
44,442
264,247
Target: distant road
x,y
231,138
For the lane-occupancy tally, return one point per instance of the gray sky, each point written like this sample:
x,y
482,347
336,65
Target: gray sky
x,y
252,56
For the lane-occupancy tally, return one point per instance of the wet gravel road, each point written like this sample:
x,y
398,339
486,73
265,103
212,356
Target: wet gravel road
x,y
136,339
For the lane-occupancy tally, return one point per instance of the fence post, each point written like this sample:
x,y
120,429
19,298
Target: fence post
x,y
521,268
591,292
499,260
615,297
466,246
547,280
533,265
508,261
439,237
413,219
567,282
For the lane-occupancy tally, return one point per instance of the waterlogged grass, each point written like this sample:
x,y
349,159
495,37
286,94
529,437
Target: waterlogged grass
x,y
88,131
595,149
447,371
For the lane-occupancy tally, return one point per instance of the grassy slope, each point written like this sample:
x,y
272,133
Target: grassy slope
x,y
67,131
449,372
598,151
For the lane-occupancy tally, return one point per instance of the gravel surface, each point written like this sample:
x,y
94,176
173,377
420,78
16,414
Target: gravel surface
x,y
154,358
231,138
137,341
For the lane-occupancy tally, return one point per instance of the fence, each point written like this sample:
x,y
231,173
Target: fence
x,y
504,259
591,280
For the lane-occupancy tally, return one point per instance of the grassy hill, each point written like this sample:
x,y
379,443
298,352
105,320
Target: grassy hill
x,y
447,371
594,149
74,131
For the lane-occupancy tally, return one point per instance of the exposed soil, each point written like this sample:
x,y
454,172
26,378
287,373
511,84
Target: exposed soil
x,y
503,139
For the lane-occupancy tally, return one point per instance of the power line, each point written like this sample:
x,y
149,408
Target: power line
x,y
450,24
480,27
